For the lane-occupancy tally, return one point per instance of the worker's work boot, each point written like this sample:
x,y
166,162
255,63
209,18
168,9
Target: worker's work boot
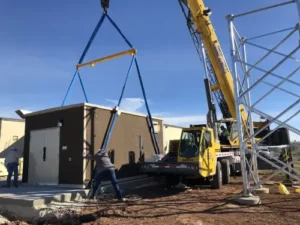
x,y
120,200
123,200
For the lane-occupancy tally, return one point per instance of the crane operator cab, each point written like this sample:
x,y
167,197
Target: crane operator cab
x,y
224,135
197,145
227,132
189,145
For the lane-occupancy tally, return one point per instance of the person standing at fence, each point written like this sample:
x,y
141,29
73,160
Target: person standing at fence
x,y
12,164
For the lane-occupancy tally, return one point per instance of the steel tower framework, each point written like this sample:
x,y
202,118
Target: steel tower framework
x,y
247,84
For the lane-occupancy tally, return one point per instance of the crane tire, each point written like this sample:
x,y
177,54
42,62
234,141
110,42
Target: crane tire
x,y
225,171
217,178
172,180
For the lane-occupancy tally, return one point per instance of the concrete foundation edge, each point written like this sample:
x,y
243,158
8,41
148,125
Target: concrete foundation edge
x,y
39,208
108,188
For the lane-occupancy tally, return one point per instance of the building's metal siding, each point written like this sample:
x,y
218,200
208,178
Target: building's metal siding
x,y
87,129
71,135
124,138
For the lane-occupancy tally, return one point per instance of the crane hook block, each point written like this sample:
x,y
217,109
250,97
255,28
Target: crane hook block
x,y
105,4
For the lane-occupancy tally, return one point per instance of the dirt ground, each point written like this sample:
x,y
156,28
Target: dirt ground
x,y
197,206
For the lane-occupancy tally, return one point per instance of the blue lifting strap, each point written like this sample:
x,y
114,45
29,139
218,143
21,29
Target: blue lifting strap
x,y
120,32
92,38
82,58
82,87
147,106
115,113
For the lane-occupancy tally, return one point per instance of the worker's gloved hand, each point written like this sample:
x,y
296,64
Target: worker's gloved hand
x,y
100,151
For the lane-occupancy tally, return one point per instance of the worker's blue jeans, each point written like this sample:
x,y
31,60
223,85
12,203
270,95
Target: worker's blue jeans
x,y
107,174
12,168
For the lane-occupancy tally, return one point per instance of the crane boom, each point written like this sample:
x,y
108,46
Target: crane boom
x,y
220,75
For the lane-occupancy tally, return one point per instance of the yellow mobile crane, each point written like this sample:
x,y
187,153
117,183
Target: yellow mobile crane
x,y
199,153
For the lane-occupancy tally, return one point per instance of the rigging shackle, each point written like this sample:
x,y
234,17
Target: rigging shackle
x,y
105,4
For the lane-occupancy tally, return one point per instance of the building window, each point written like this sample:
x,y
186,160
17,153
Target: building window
x,y
111,155
131,157
15,138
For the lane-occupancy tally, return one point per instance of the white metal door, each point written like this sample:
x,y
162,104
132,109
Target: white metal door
x,y
44,156
37,140
51,157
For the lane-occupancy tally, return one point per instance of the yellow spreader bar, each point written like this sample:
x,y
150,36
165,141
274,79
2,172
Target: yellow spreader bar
x,y
92,63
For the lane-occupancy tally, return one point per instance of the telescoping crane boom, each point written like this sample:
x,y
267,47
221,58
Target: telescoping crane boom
x,y
219,75
199,15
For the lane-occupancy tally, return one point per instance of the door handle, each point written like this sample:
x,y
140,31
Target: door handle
x,y
44,154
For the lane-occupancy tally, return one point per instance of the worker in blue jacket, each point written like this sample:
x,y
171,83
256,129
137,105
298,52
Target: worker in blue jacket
x,y
104,169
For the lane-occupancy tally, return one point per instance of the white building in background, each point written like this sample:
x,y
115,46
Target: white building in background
x,y
11,135
170,132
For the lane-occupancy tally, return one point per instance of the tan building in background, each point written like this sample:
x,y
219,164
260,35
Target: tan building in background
x,y
170,132
11,135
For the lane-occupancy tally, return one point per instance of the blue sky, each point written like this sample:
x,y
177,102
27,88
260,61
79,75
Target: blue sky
x,y
41,42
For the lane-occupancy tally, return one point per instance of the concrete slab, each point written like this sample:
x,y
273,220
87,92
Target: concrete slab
x,y
27,202
30,202
35,196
